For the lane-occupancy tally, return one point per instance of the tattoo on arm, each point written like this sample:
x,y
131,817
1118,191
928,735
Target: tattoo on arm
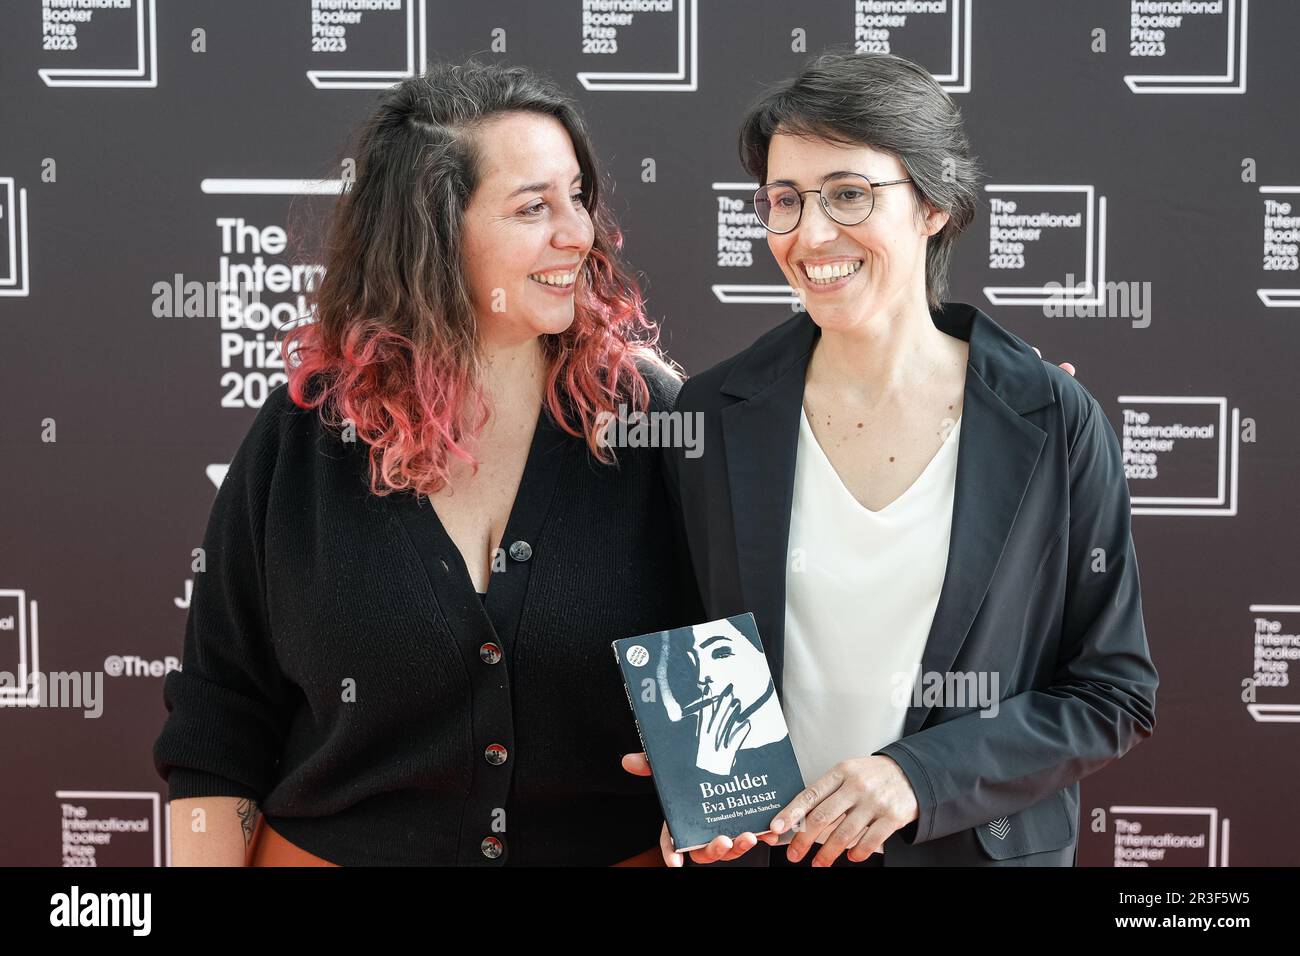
x,y
247,810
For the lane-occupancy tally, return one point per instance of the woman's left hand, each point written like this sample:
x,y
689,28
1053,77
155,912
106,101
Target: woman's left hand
x,y
855,806
719,848
1064,365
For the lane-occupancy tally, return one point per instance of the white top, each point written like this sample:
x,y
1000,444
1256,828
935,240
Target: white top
x,y
861,590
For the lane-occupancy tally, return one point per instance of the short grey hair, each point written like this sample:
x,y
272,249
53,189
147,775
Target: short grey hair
x,y
888,103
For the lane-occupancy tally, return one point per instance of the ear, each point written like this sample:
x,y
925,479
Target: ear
x,y
935,219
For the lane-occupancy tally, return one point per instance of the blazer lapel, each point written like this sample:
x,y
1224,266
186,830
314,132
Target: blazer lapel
x,y
761,440
997,453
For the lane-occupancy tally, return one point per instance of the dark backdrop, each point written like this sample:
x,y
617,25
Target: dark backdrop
x,y
1160,158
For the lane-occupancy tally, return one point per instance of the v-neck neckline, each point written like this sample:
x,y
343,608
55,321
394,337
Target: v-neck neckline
x,y
445,565
820,453
544,441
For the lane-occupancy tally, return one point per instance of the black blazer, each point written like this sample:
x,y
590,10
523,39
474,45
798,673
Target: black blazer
x,y
1041,584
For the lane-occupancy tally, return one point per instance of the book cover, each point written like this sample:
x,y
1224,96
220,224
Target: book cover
x,y
712,728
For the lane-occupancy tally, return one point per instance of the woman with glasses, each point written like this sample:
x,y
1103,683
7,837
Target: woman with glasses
x,y
929,522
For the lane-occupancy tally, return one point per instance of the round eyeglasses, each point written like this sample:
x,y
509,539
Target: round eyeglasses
x,y
846,197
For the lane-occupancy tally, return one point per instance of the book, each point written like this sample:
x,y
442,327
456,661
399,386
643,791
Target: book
x,y
712,728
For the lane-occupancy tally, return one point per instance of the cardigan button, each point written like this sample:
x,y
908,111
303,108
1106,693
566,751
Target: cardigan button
x,y
491,847
489,653
495,754
521,550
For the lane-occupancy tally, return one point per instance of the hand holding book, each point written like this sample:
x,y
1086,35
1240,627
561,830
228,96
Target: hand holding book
x,y
719,849
871,789
855,807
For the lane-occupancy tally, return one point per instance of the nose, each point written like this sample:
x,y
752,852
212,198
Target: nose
x,y
573,229
817,227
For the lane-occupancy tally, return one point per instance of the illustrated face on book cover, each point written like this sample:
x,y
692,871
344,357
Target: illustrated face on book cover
x,y
723,675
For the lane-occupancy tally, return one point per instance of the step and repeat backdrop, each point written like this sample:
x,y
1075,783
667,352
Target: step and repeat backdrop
x,y
1141,219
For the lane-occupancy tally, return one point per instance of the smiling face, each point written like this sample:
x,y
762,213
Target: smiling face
x,y
526,230
725,657
847,274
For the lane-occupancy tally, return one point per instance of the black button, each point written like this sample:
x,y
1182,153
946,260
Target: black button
x,y
521,551
489,653
491,847
495,754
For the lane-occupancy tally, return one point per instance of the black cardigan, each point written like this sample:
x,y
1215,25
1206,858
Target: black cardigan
x,y
339,667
